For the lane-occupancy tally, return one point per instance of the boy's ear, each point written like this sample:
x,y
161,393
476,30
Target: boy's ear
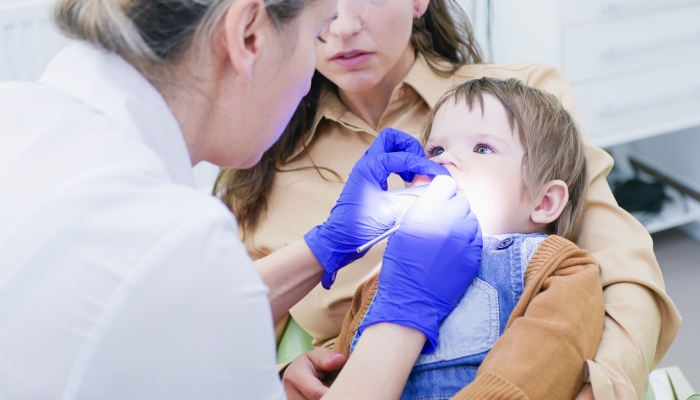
x,y
242,36
554,197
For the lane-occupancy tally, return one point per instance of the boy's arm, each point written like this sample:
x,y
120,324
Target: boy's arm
x,y
554,329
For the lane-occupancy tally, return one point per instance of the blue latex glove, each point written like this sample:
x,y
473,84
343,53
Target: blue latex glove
x,y
365,209
429,262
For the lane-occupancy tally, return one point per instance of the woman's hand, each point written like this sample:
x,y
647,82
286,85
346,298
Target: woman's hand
x,y
365,209
429,262
303,377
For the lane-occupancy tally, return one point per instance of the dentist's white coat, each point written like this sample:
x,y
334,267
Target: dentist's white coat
x,y
118,279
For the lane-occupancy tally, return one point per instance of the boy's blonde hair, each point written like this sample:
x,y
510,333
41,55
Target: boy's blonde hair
x,y
553,145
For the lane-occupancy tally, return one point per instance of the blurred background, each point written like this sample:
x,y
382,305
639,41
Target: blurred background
x,y
634,67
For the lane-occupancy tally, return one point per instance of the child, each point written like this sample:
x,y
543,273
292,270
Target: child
x,y
519,159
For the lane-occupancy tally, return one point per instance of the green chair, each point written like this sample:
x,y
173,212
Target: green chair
x,y
293,343
669,384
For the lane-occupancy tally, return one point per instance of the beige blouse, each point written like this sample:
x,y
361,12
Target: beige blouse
x,y
641,320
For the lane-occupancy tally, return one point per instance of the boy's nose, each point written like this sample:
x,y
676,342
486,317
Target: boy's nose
x,y
349,18
448,161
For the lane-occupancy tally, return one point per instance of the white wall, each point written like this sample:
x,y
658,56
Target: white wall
x,y
28,39
517,25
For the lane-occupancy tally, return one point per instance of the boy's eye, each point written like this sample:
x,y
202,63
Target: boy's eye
x,y
482,149
436,151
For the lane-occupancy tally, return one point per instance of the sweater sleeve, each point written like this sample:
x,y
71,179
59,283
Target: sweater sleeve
x,y
553,330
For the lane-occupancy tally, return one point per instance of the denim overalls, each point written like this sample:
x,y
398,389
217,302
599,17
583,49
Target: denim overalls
x,y
469,332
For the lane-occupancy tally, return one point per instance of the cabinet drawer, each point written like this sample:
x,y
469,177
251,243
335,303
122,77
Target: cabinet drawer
x,y
614,47
640,105
576,11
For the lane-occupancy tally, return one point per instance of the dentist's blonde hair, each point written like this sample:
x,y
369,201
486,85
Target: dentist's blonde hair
x,y
154,35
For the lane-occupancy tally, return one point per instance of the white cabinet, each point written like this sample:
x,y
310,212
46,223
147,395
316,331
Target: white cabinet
x,y
634,67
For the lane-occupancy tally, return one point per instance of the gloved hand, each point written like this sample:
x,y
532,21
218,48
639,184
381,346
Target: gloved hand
x,y
429,262
365,209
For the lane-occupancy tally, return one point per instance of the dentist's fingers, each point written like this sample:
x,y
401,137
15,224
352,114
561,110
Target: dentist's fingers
x,y
440,189
392,140
403,163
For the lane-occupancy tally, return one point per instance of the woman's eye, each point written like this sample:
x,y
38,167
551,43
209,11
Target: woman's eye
x,y
320,39
482,149
437,151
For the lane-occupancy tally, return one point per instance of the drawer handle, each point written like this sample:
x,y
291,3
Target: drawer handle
x,y
611,111
632,7
627,50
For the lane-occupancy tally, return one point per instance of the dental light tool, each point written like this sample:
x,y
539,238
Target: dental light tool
x,y
378,239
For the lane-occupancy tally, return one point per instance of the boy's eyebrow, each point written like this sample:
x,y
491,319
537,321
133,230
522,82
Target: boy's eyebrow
x,y
490,136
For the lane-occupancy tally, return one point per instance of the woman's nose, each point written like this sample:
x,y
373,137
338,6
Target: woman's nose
x,y
349,18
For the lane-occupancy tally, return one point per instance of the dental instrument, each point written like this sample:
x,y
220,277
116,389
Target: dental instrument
x,y
378,239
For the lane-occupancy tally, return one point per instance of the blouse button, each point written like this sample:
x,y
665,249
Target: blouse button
x,y
402,93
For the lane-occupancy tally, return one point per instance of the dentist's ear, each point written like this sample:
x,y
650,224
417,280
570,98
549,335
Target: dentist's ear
x,y
554,197
243,34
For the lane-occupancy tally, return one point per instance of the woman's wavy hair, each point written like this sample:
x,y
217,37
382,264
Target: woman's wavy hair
x,y
443,35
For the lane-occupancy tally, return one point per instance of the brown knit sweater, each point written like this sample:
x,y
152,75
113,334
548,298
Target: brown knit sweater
x,y
553,330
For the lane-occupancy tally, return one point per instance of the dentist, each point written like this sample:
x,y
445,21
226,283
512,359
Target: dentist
x,y
119,280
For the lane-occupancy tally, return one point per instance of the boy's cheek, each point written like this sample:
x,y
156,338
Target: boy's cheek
x,y
419,180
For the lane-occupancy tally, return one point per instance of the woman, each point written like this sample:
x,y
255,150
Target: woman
x,y
385,64
118,278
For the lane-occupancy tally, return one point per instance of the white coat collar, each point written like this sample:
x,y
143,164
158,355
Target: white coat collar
x,y
114,87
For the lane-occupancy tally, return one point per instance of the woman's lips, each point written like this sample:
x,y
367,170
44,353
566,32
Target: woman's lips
x,y
352,58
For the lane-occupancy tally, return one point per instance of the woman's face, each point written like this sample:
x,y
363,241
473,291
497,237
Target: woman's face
x,y
252,113
368,43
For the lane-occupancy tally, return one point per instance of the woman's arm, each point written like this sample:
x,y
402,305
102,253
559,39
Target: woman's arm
x,y
290,273
641,320
380,364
